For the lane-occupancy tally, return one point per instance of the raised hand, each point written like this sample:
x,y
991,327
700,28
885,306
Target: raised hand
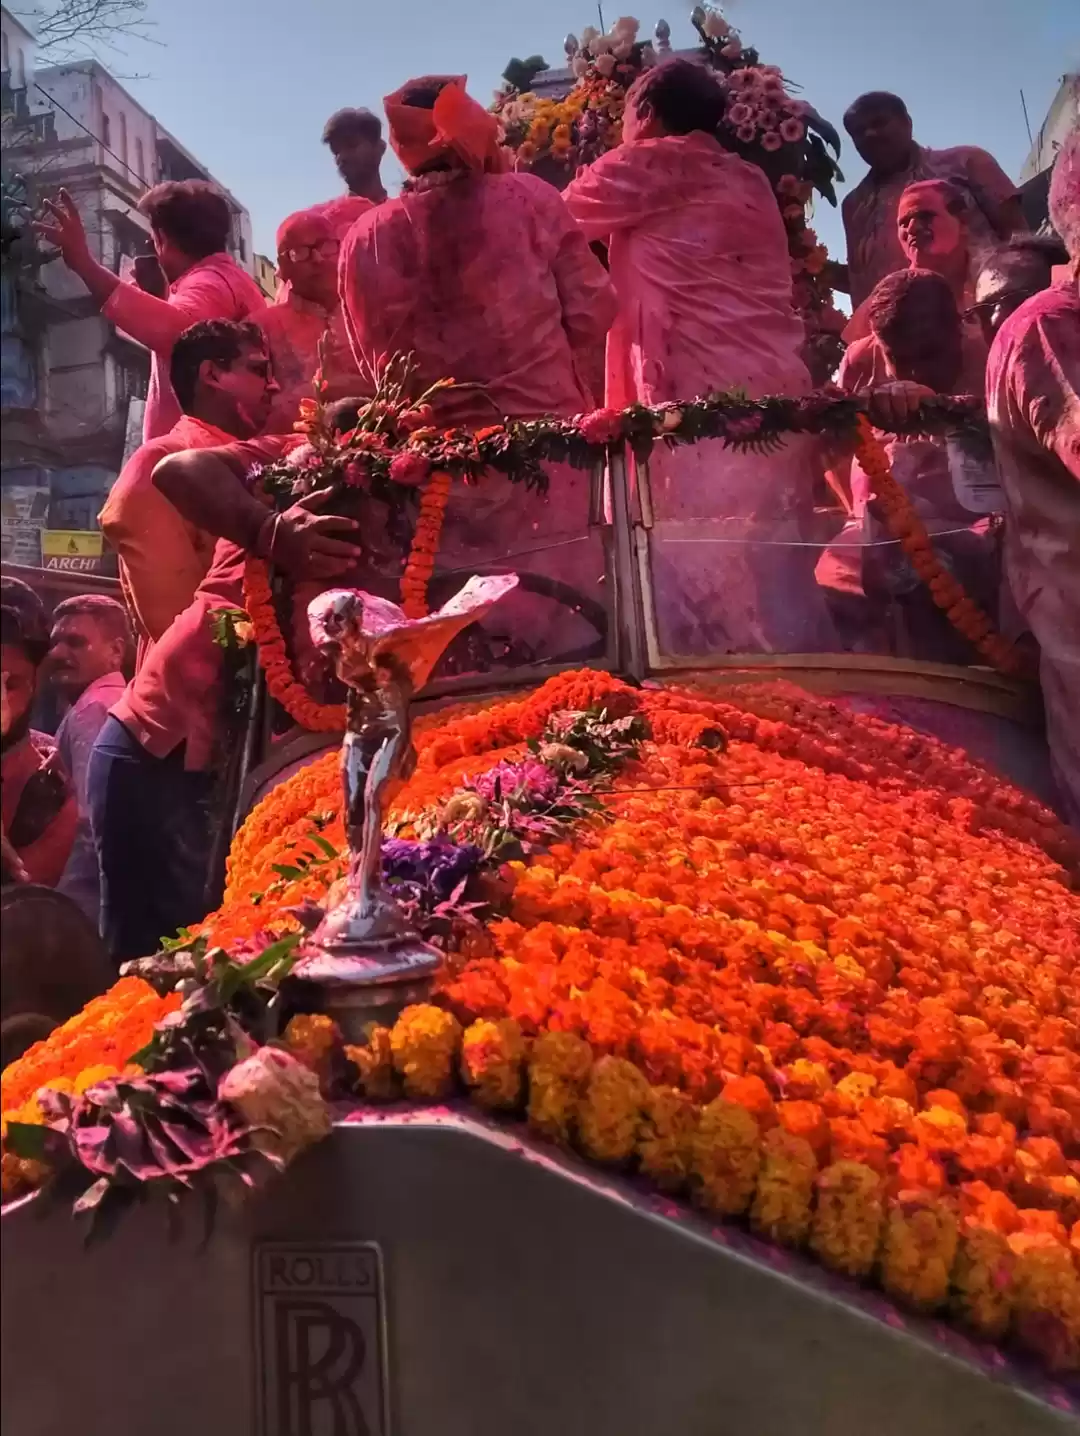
x,y
63,227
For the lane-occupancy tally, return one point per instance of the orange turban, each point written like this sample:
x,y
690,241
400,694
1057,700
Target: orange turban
x,y
455,125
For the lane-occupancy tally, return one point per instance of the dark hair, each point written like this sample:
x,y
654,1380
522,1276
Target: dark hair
x,y
886,306
195,215
875,100
23,622
222,341
683,96
351,124
109,615
1036,253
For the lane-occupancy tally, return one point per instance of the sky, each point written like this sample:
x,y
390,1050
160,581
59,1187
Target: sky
x,y
246,85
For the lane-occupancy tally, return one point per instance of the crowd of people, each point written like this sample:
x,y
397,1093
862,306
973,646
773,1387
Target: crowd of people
x,y
662,272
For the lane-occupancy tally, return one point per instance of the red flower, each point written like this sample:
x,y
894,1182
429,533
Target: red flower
x,y
602,426
409,468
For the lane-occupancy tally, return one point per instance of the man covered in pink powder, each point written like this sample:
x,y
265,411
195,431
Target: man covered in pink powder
x,y
484,278
1033,403
306,331
190,224
881,130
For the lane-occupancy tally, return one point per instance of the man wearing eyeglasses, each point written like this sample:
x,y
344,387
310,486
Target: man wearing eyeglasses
x,y
305,331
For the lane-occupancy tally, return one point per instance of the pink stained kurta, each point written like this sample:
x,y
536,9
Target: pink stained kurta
x,y
699,257
488,281
213,288
870,210
1033,403
304,338
162,557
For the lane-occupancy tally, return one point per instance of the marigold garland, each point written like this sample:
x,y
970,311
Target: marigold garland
x,y
904,524
281,682
824,978
425,545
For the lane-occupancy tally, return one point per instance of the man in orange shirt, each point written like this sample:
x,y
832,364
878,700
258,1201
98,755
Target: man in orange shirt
x,y
220,372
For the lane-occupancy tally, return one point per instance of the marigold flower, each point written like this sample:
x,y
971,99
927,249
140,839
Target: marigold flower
x,y
558,1070
665,1141
785,1188
726,1157
374,1061
492,1062
1047,1298
611,1110
983,1280
312,1038
846,1228
919,1249
424,1041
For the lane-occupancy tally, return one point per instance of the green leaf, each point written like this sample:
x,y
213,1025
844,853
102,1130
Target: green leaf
x,y
324,845
241,974
288,871
27,1140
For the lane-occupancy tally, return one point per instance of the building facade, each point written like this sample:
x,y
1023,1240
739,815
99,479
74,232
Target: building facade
x,y
1062,116
72,386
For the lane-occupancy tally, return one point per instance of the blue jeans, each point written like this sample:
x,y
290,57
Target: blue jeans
x,y
150,820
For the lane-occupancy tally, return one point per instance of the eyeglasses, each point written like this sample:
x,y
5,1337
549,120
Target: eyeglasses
x,y
325,249
987,306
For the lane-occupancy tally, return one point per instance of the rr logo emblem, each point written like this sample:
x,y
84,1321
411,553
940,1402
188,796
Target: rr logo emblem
x,y
321,1340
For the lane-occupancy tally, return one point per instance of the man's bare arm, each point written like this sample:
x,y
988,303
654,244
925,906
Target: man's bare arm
x,y
206,490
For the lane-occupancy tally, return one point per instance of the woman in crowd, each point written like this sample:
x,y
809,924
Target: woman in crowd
x,y
699,258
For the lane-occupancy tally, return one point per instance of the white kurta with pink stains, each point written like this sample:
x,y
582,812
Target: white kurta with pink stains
x,y
700,261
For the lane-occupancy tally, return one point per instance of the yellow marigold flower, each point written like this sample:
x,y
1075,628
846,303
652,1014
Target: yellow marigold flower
x,y
785,1189
424,1042
311,1039
919,1249
983,1281
726,1157
845,1231
558,1069
665,1142
857,1086
492,1056
374,1060
89,1076
611,1110
1047,1310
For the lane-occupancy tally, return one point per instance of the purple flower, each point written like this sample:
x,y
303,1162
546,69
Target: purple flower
x,y
438,866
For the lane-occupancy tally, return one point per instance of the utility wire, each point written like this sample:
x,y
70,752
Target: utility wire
x,y
96,138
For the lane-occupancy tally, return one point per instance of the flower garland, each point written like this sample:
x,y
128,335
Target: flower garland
x,y
815,971
904,524
281,682
425,544
518,448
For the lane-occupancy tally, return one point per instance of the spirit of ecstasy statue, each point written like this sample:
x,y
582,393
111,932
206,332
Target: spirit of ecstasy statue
x,y
363,953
